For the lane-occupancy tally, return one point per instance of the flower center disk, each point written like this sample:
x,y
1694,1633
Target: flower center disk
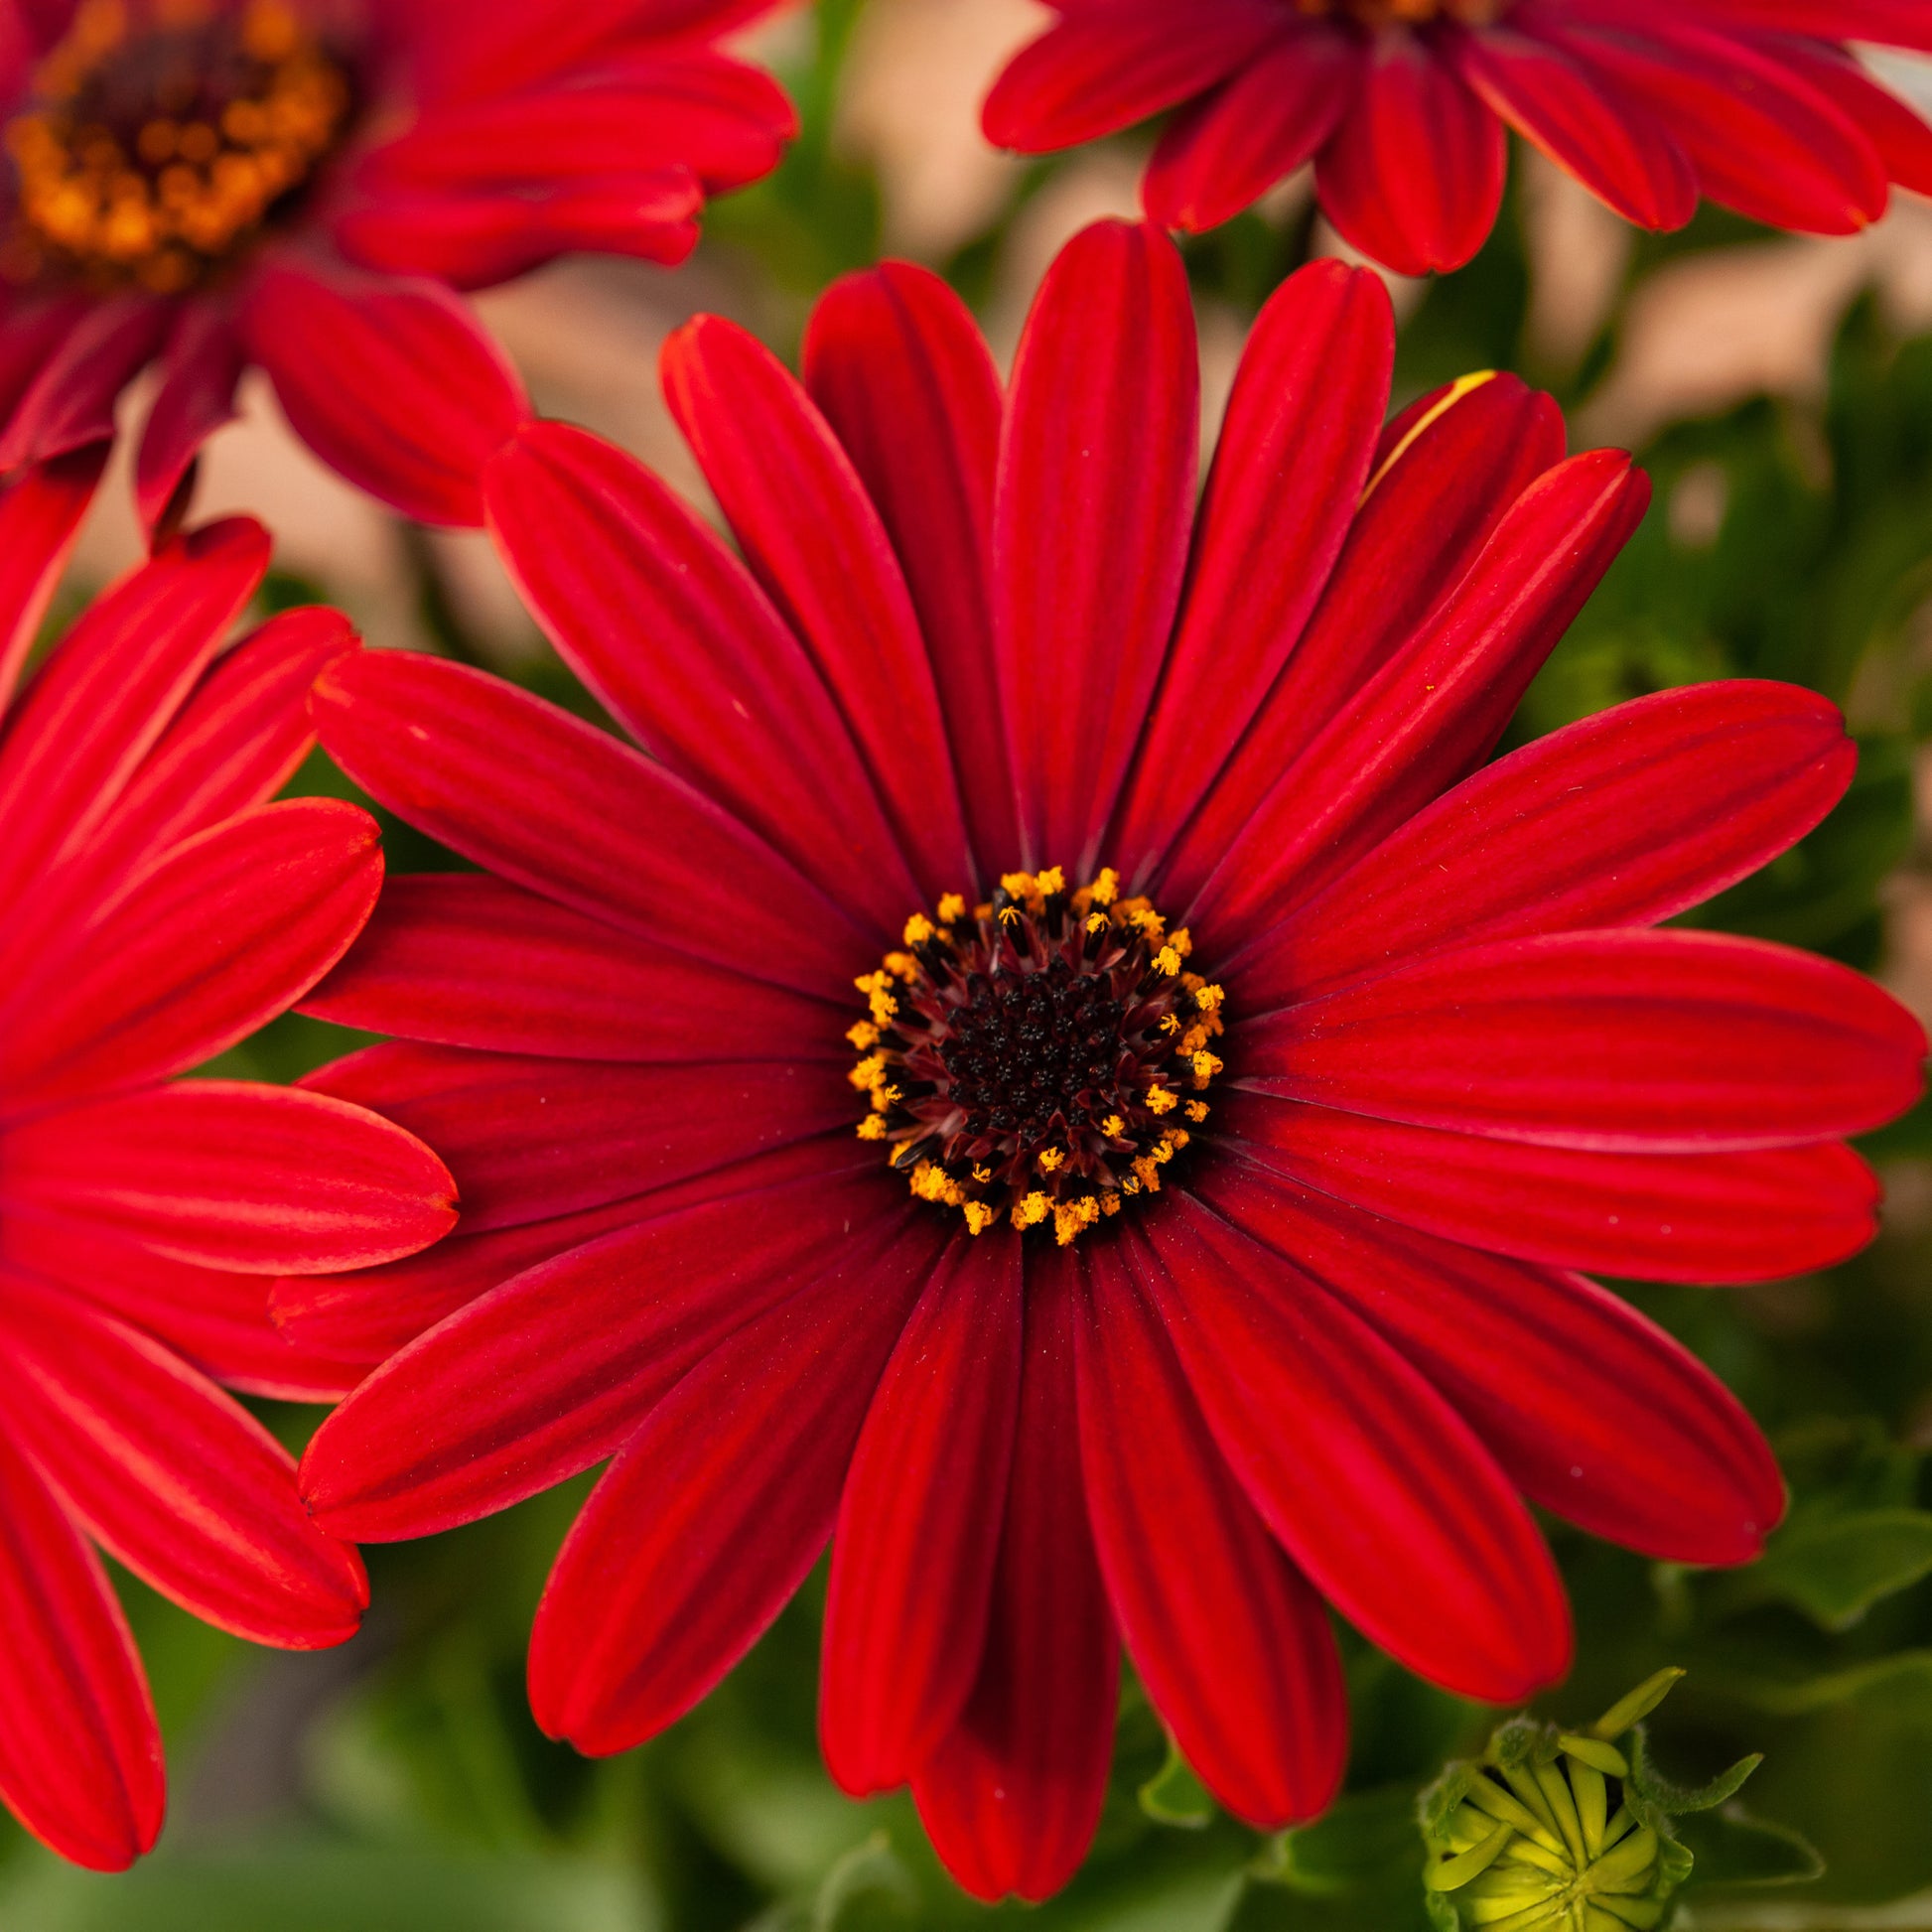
x,y
163,134
1039,1058
1387,13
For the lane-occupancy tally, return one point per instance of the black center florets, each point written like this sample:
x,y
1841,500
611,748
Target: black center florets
x,y
1039,1058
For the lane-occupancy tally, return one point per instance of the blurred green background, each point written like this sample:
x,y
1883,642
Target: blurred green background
x,y
1780,393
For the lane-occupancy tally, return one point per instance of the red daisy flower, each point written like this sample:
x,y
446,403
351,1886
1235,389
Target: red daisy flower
x,y
300,184
1402,106
154,910
853,1149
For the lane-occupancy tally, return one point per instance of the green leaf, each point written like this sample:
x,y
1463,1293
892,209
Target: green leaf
x,y
1834,1568
1368,1839
1176,1796
1734,1847
1673,1800
1798,1696
868,1890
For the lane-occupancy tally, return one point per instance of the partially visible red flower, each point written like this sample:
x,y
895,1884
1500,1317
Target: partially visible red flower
x,y
851,1150
153,912
1403,105
301,184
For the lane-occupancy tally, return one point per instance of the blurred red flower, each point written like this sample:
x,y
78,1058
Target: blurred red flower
x,y
1402,106
153,911
1179,1277
301,182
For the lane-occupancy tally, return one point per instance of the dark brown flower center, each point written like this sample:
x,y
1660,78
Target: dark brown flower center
x,y
1039,1058
163,134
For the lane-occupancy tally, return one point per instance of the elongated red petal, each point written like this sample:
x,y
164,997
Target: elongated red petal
x,y
1087,478
1448,471
1761,139
1094,75
1378,1489
896,362
69,402
530,1139
1592,1410
79,1748
1617,1041
1623,818
1234,1648
553,1370
1437,707
918,1529
1711,1218
390,381
718,1506
465,960
1604,137
1225,150
587,821
1414,174
215,940
1012,1798
766,451
673,633
109,691
199,369
1899,132
40,517
265,1179
1301,428
175,1477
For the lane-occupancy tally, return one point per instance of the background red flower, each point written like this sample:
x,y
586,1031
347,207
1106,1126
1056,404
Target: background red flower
x,y
301,184
976,631
153,912
1403,108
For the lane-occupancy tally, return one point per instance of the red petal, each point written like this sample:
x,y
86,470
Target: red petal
x,y
896,362
1623,818
464,960
1711,1218
1094,75
552,804
173,1476
1899,132
265,1179
219,937
1592,1410
718,1506
1010,1799
531,1139
1097,466
1234,1648
391,382
723,121
1894,23
552,1370
1761,140
69,403
1379,1490
1609,141
670,630
1225,150
813,539
1452,467
199,369
109,690
1437,707
40,517
79,1749
1301,428
1413,175
1618,1042
918,1529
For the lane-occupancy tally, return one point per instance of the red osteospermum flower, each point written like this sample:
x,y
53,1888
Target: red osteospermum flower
x,y
301,182
153,912
852,1149
1402,106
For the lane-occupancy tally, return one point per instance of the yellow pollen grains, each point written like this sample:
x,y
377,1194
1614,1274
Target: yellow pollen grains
x,y
1024,1059
161,137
